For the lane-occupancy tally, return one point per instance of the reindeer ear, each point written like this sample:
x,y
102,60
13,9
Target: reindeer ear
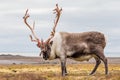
x,y
51,42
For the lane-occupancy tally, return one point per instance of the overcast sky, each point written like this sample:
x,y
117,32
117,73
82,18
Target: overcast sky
x,y
77,16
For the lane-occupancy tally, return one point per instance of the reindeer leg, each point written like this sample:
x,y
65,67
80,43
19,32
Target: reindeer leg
x,y
98,61
63,67
65,70
104,59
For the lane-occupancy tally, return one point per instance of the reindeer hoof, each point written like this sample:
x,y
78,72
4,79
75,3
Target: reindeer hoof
x,y
91,74
64,74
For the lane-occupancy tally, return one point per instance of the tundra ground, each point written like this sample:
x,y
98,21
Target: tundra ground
x,y
53,72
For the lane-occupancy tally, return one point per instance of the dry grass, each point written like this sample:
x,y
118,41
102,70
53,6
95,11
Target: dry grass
x,y
53,72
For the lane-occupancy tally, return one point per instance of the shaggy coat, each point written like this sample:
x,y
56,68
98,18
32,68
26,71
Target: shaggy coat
x,y
78,46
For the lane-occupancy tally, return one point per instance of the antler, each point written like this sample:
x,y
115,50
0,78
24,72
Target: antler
x,y
58,13
26,16
36,39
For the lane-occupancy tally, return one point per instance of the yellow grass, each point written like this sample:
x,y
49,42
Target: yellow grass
x,y
53,72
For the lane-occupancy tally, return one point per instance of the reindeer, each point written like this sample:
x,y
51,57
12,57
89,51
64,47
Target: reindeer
x,y
78,46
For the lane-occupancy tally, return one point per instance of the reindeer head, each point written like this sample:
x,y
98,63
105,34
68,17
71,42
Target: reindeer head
x,y
45,46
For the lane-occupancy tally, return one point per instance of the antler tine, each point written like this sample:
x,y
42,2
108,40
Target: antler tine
x,y
57,11
26,16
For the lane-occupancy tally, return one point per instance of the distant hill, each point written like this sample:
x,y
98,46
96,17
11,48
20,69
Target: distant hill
x,y
10,55
13,57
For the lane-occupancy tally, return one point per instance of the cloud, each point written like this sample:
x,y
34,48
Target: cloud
x,y
80,16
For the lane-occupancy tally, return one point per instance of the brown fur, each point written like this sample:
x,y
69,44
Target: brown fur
x,y
96,38
73,41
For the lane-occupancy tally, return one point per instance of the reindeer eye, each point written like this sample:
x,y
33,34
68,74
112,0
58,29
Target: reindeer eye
x,y
48,47
51,43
